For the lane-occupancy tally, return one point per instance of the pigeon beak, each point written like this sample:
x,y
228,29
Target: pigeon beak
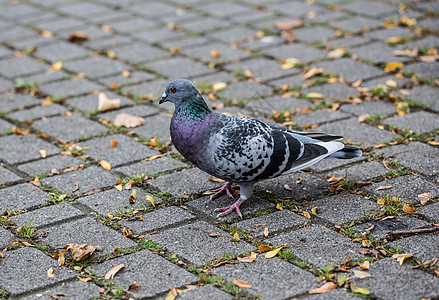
x,y
163,98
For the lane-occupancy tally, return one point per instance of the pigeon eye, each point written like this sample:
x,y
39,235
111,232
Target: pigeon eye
x,y
173,90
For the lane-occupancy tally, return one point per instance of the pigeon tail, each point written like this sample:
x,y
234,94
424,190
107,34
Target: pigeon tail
x,y
347,152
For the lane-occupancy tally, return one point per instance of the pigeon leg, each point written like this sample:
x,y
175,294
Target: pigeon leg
x,y
224,189
234,207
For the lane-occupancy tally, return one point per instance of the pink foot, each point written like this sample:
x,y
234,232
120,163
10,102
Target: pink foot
x,y
234,207
224,189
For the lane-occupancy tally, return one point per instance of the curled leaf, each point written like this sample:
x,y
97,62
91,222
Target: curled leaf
x,y
263,248
242,283
408,209
150,199
235,236
327,287
401,257
50,273
81,252
248,259
424,197
104,103
113,271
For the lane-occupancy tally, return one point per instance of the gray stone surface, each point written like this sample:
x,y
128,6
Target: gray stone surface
x,y
298,51
152,272
377,53
61,51
318,117
357,24
245,90
426,95
46,165
22,196
10,101
431,211
69,128
96,67
155,126
373,108
89,103
86,231
152,167
315,34
67,88
200,248
333,91
136,110
78,182
343,208
69,290
22,148
360,172
226,53
275,222
425,70
46,216
267,105
38,112
420,121
424,247
158,219
351,70
117,202
329,164
270,278
20,66
318,245
179,68
205,292
406,188
389,281
7,176
6,237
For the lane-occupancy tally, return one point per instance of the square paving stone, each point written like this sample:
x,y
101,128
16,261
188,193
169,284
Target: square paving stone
x,y
343,208
278,103
357,24
127,150
67,88
425,70
385,82
426,95
384,34
86,231
45,165
95,67
310,186
351,70
431,211
406,283
158,219
119,79
60,51
370,9
5,238
420,121
249,207
245,90
353,131
333,91
348,41
328,164
152,167
117,202
360,172
155,126
69,128
81,181
275,222
270,278
38,112
152,9
7,176
297,9
157,35
89,103
5,85
223,10
204,24
315,34
318,117
298,51
139,53
42,78
152,272
128,25
73,290
152,90
18,149
319,245
25,270
406,188
192,242
205,292
417,156
14,101
185,182
234,34
382,227
263,43
227,53
22,196
291,81
20,66
46,216
179,68
379,108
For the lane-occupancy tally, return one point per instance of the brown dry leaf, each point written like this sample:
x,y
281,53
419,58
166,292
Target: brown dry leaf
x,y
241,283
113,143
85,279
156,156
56,66
298,180
383,187
61,258
361,274
81,252
47,33
364,265
288,36
46,102
273,253
128,121
36,181
126,73
327,287
312,72
126,232
113,271
359,290
17,131
362,118
406,52
78,36
334,179
266,231
134,287
119,187
306,214
174,50
132,198
424,197
104,103
287,187
106,28
401,257
171,295
393,66
106,165
215,53
408,209
335,106
288,24
263,248
279,206
248,259
150,199
50,273
43,153
436,272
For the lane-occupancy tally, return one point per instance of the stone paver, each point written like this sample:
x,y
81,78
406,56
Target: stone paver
x,y
152,167
5,238
420,121
422,246
75,290
46,165
22,196
19,149
38,112
360,172
7,176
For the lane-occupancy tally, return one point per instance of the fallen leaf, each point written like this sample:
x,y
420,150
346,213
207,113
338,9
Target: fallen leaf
x,y
247,259
56,66
329,286
134,287
381,201
408,209
235,236
104,103
285,25
171,295
126,232
113,271
312,72
359,290
241,283
78,36
424,197
306,214
393,66
406,52
61,258
314,211
105,164
288,36
128,121
383,187
219,86
81,252
50,273
215,53
337,53
290,63
156,156
126,73
150,199
17,131
401,257
248,73
334,179
287,187
279,206
43,153
36,181
266,231
364,265
263,248
341,279
132,198
433,143
107,28
273,253
85,279
314,95
119,187
298,180
46,102
113,143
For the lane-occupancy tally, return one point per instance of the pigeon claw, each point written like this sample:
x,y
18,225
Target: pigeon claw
x,y
224,189
227,210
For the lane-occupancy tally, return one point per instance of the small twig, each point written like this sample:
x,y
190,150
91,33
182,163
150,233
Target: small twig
x,y
413,231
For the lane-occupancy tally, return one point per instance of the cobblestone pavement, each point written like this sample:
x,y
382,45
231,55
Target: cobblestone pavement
x,y
366,70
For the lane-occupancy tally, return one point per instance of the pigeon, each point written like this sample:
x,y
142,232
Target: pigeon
x,y
240,149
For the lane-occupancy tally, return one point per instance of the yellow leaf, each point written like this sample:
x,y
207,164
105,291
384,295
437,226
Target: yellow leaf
x,y
241,283
381,201
391,83
43,153
273,253
119,187
290,63
50,273
111,54
132,198
126,232
329,286
248,73
266,231
359,290
393,66
150,199
314,211
361,274
312,72
235,235
408,209
171,295
112,272
47,34
219,86
56,66
364,265
106,165
332,79
401,257
433,143
156,156
61,258
407,21
314,95
126,73
279,206
215,53
424,197
306,214
263,248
